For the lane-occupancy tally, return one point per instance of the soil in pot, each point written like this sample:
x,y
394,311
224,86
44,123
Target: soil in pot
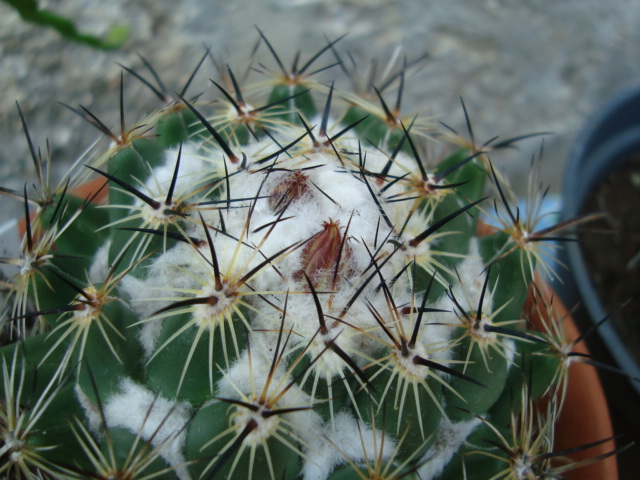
x,y
611,248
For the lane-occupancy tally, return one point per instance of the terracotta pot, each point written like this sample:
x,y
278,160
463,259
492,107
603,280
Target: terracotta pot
x,y
585,417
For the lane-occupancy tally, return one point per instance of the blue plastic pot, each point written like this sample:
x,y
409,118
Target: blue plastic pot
x,y
609,139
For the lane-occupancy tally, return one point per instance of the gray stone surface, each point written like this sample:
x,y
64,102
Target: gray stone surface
x,y
521,66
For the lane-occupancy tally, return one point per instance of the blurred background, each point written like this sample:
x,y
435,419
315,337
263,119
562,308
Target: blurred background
x,y
521,67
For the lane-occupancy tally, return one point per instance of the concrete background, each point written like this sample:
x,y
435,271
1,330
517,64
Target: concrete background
x,y
521,66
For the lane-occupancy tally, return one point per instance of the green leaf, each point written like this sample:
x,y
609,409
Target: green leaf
x,y
29,11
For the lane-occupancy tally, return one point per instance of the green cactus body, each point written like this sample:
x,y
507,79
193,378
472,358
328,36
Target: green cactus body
x,y
283,292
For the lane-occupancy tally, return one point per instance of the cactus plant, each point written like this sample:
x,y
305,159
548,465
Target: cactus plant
x,y
279,284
